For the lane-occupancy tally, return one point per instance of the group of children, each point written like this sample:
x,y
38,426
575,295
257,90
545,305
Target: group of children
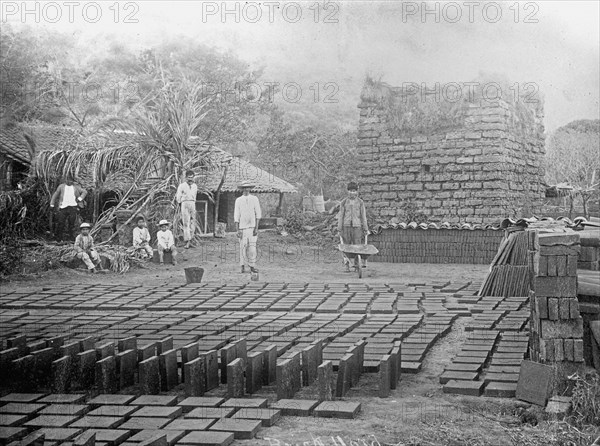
x,y
84,244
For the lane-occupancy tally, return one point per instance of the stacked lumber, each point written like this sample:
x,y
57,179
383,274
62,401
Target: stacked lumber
x,y
509,274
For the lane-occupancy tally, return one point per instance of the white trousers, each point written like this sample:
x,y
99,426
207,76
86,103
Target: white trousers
x,y
89,258
248,252
188,218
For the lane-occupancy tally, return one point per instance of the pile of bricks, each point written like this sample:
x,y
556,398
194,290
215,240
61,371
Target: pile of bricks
x,y
556,324
436,245
476,172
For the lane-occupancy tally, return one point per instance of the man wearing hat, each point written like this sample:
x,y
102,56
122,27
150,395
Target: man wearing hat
x,y
165,242
84,249
246,215
186,197
352,220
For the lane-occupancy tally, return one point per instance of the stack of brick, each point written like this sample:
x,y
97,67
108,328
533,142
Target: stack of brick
x,y
436,245
476,171
556,323
589,258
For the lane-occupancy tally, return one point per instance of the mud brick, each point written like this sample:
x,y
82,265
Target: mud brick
x,y
127,365
110,437
553,310
167,364
87,343
207,439
501,377
149,376
43,362
568,349
189,425
241,349
86,368
571,328
59,434
574,309
155,440
146,352
87,438
559,352
195,377
51,421
21,398
23,372
6,359
561,266
542,266
241,429
546,350
228,354
155,400
211,412
410,367
462,387
61,374
552,265
338,409
106,375
500,389
343,375
384,376
8,434
20,343
292,407
267,417
89,422
172,435
458,376
71,349
254,369
164,345
309,365
65,409
56,342
245,402
270,364
188,353
285,388
556,286
12,419
212,369
33,439
578,350
129,343
535,383
140,423
564,308
113,411
105,350
200,401
296,370
354,368
235,378
159,411
21,408
112,400
542,307
325,381
572,266
63,398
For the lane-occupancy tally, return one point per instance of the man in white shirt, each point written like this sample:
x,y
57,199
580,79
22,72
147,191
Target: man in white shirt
x,y
247,215
68,197
186,197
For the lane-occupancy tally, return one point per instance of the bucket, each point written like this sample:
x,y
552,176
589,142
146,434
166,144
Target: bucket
x,y
194,274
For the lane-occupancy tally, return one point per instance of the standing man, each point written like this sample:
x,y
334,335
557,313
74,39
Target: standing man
x,y
186,197
246,215
352,219
68,197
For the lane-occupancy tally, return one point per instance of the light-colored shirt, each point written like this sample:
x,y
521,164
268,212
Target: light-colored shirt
x,y
185,192
140,236
165,239
352,214
84,243
68,197
246,211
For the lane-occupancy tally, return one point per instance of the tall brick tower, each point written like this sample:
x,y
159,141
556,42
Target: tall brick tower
x,y
471,160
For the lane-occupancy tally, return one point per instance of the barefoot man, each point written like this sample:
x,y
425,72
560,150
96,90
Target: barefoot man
x,y
186,197
246,215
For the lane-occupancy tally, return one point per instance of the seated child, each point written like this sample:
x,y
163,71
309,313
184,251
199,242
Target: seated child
x,y
165,242
141,238
84,247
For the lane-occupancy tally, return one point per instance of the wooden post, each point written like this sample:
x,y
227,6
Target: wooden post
x,y
278,210
218,199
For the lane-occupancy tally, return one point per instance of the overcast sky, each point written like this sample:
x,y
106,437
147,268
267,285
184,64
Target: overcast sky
x,y
553,45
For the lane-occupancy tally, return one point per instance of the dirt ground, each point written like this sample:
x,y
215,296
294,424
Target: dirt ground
x,y
417,412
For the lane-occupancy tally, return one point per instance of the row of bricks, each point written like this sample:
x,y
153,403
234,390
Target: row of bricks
x,y
556,308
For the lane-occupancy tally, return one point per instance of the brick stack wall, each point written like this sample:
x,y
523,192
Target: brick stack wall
x,y
436,245
479,173
556,323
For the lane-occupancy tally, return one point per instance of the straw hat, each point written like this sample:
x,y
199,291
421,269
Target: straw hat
x,y
246,183
85,225
163,222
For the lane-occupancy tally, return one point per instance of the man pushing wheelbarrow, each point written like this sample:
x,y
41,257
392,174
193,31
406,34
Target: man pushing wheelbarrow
x,y
353,229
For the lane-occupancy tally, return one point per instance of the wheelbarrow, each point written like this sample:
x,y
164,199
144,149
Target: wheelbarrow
x,y
358,253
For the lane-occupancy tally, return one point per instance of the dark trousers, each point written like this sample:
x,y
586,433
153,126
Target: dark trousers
x,y
352,235
65,222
